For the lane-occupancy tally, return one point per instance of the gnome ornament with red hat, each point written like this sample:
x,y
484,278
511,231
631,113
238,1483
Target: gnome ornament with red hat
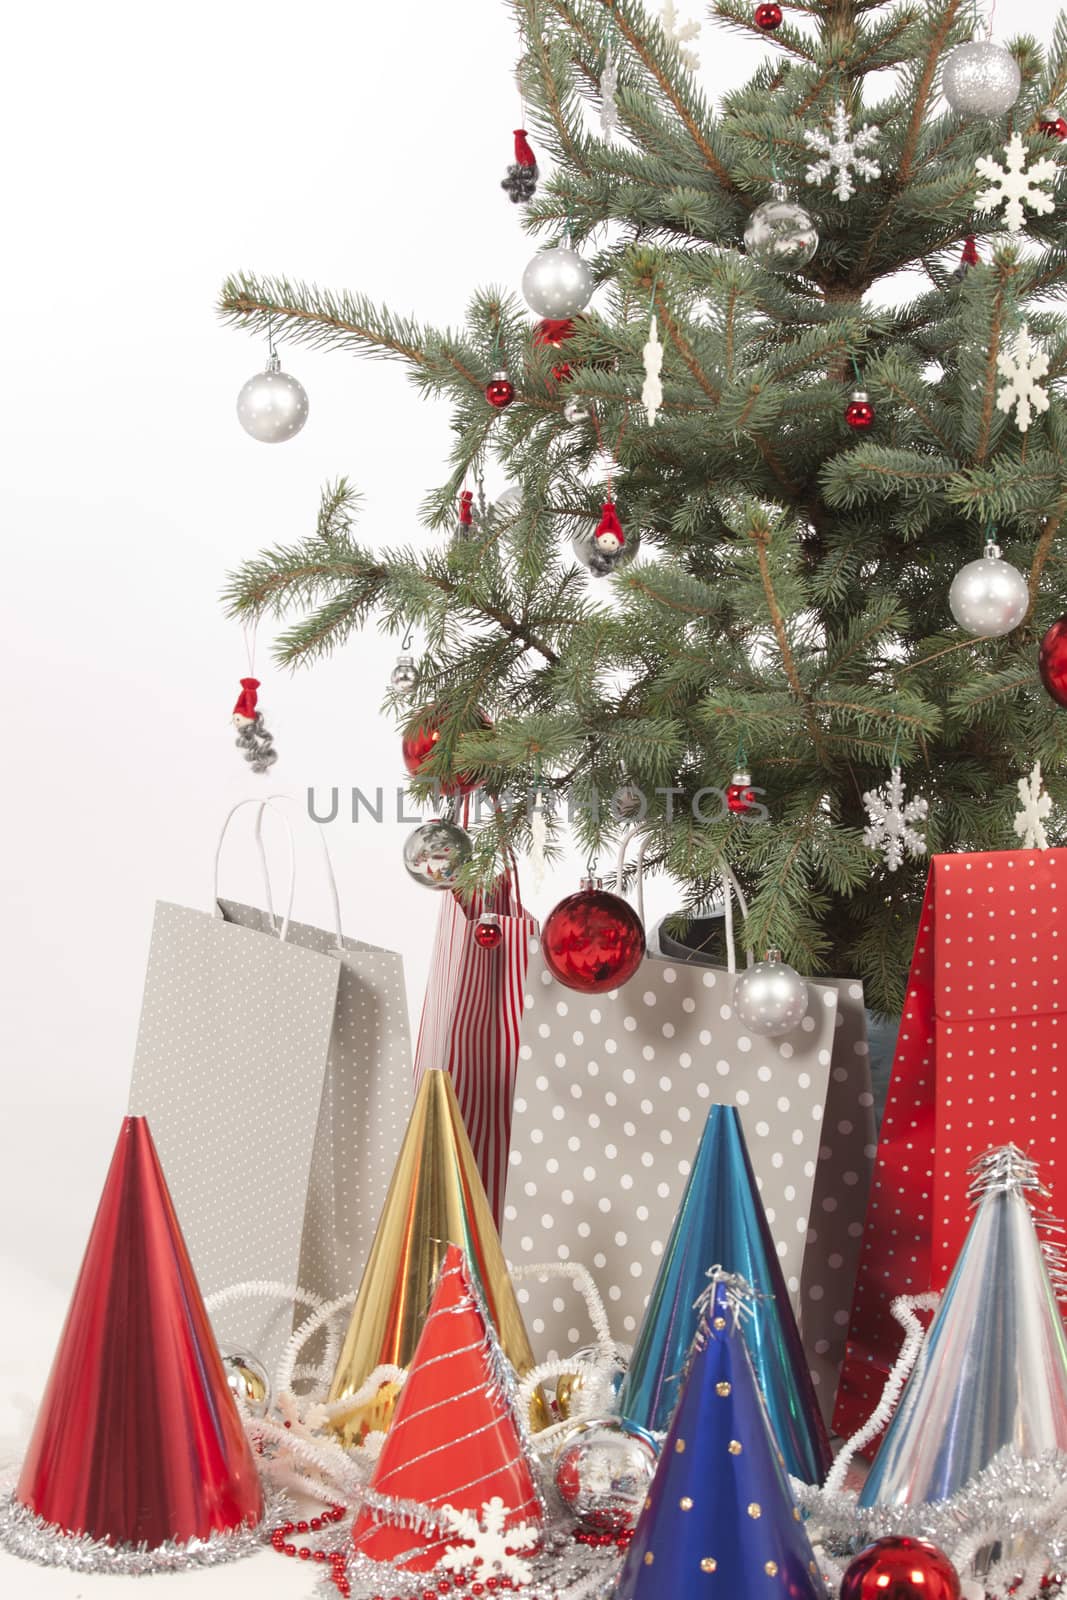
x,y
520,185
253,738
139,1461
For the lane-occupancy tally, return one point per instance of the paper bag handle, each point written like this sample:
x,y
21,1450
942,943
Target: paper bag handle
x,y
730,887
257,801
331,878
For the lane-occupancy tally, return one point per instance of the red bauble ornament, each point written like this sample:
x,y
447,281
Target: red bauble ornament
x,y
1052,124
740,796
593,941
859,413
768,16
487,931
901,1569
1052,661
499,391
417,747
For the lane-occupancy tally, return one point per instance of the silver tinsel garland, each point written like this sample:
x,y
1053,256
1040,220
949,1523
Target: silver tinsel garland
x,y
24,1534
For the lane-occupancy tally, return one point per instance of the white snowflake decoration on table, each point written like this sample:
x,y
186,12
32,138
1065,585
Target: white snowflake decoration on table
x,y
609,108
1015,185
842,153
489,1546
1022,367
1034,807
652,355
891,818
680,34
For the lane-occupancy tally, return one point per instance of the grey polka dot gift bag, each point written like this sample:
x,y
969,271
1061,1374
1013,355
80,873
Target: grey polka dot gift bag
x,y
274,1066
612,1094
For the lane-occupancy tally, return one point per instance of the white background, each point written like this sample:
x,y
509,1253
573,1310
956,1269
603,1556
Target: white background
x,y
148,152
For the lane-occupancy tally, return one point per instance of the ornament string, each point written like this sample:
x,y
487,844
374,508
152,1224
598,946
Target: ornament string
x,y
613,455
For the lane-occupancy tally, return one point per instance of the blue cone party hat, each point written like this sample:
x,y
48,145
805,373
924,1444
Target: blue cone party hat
x,y
720,1521
993,1368
721,1222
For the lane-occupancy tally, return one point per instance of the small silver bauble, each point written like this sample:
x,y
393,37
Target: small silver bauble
x,y
248,1381
780,234
770,998
603,1473
574,411
435,853
404,675
272,406
599,561
558,283
981,79
989,597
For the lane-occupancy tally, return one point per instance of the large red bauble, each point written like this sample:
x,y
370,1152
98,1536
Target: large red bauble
x,y
768,16
417,747
593,941
901,1569
1052,661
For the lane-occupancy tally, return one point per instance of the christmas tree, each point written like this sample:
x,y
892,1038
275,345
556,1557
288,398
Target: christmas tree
x,y
789,610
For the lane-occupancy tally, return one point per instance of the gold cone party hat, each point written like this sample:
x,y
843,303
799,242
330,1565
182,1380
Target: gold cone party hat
x,y
436,1198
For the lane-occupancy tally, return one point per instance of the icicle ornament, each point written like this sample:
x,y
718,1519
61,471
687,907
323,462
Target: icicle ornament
x,y
609,107
652,356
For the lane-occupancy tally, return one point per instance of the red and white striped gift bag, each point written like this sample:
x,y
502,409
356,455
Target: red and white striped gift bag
x,y
470,1020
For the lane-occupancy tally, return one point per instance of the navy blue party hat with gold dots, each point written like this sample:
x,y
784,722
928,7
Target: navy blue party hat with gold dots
x,y
720,1520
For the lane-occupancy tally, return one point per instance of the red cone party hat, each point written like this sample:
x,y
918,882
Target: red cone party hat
x,y
138,1440
454,1439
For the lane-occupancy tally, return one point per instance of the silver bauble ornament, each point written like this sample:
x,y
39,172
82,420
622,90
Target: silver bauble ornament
x,y
989,597
981,79
780,234
509,504
603,1473
272,406
435,853
600,562
575,411
770,998
404,675
248,1381
558,283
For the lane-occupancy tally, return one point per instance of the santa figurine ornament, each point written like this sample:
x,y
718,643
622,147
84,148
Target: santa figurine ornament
x,y
253,737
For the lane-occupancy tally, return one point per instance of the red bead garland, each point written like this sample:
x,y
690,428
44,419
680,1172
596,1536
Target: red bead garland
x,y
280,1541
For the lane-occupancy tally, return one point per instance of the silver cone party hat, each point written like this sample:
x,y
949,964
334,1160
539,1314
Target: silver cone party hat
x,y
993,1367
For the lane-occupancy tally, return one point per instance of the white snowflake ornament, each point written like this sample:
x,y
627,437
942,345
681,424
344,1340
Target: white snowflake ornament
x,y
680,34
1034,807
652,355
842,153
1015,185
1022,367
489,1545
891,819
609,108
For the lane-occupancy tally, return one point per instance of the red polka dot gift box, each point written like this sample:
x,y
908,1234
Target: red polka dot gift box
x,y
981,1060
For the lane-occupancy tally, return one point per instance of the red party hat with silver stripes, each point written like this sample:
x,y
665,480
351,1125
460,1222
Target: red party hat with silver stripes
x,y
456,1439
